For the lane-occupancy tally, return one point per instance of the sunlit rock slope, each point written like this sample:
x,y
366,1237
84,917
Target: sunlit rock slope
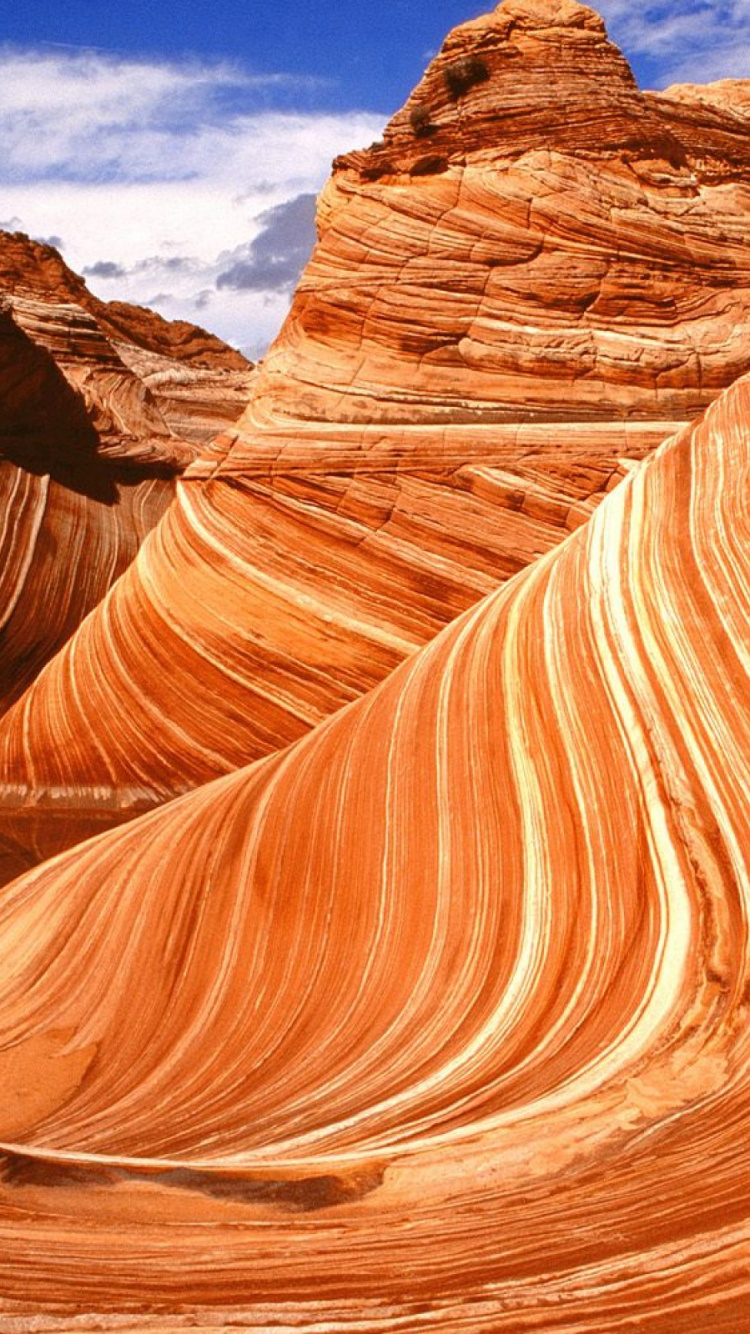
x,y
536,275
534,238
437,1019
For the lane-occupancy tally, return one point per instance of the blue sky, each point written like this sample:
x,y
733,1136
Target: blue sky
x,y
354,54
174,150
358,53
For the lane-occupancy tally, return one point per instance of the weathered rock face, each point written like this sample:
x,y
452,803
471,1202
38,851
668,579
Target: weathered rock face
x,y
32,835
269,597
494,269
196,402
87,457
198,384
437,1019
725,95
533,239
77,494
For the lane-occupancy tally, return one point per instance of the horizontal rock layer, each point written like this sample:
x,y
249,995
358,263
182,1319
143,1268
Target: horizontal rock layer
x,y
438,1018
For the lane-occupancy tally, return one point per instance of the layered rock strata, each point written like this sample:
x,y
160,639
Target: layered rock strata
x,y
87,458
507,307
197,383
87,468
534,238
196,401
726,95
267,599
34,269
438,1018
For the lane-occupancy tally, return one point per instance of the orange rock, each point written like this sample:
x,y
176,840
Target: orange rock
x,y
35,269
435,1019
87,456
438,1018
508,304
537,240
732,95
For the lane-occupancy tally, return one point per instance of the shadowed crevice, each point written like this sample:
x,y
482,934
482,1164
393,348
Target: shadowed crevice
x,y
293,1194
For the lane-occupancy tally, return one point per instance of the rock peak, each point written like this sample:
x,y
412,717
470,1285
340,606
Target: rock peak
x,y
529,14
36,270
500,82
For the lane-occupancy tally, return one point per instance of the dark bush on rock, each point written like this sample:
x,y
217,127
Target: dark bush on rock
x,y
463,74
419,119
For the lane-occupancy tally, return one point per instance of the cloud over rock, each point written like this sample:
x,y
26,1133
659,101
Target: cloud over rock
x,y
277,256
195,160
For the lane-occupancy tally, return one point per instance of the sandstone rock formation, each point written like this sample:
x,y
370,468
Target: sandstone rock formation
x,y
438,1018
195,401
507,307
34,269
87,456
85,472
262,603
435,1018
732,95
534,238
198,383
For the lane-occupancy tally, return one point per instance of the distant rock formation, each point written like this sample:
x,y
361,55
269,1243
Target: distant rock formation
x,y
34,269
536,277
438,1019
87,455
534,239
725,95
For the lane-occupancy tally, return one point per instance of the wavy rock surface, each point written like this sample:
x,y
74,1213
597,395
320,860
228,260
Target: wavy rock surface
x,y
491,270
86,470
73,509
196,401
534,238
87,457
265,600
437,1019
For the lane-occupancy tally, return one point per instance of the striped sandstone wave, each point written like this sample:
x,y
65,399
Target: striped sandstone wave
x,y
438,1018
265,600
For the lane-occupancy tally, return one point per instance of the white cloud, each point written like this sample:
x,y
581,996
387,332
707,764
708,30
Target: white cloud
x,y
158,174
162,171
684,40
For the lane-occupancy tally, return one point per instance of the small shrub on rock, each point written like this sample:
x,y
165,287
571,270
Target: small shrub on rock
x,y
419,119
461,75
